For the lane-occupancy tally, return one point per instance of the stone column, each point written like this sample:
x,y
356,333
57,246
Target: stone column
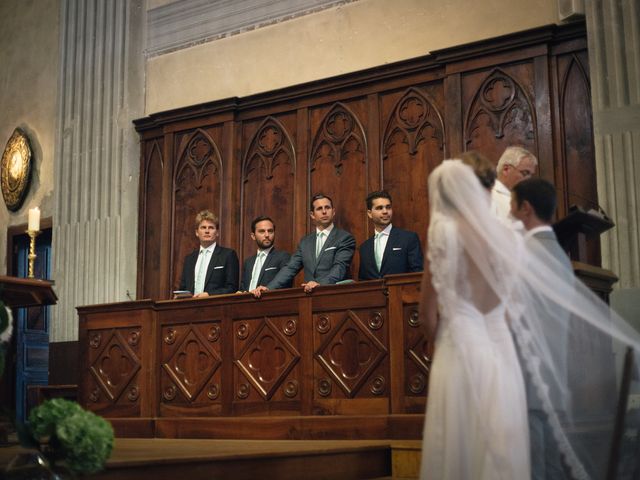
x,y
613,31
101,91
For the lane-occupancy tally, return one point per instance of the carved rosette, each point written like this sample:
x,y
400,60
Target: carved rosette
x,y
340,138
500,102
323,324
270,148
417,383
351,353
267,358
199,158
414,120
414,318
115,366
324,387
192,364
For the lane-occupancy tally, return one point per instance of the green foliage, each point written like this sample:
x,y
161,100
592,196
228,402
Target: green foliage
x,y
79,437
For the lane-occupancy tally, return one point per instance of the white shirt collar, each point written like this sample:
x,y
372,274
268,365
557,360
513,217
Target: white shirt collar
x,y
266,250
326,230
501,188
387,230
209,249
533,231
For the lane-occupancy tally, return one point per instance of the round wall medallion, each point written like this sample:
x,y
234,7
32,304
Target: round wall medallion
x,y
15,170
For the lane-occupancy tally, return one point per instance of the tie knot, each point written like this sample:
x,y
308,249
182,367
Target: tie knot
x,y
262,253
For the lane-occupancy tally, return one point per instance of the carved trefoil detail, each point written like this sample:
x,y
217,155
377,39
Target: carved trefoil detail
x,y
192,364
199,159
500,102
414,120
340,138
115,366
270,148
267,358
351,353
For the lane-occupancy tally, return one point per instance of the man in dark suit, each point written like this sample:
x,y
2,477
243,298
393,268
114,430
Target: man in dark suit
x,y
391,249
533,202
211,269
325,255
262,267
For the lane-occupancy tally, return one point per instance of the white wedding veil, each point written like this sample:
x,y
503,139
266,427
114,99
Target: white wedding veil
x,y
570,343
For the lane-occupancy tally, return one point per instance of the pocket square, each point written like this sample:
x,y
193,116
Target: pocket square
x,y
270,268
397,248
330,248
218,267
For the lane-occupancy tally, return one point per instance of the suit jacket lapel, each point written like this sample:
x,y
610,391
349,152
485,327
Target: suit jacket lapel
x,y
331,239
266,263
387,248
212,263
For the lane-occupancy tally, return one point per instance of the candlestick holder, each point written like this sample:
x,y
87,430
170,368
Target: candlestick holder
x,y
32,250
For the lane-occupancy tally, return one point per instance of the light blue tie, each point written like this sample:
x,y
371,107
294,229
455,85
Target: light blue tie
x,y
378,250
202,272
319,243
257,267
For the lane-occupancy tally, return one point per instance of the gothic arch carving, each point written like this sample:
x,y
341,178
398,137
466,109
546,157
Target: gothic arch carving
x,y
339,137
499,102
270,147
412,117
199,158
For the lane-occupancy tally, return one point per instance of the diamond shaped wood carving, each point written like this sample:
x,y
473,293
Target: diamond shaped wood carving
x,y
192,364
351,353
267,359
115,366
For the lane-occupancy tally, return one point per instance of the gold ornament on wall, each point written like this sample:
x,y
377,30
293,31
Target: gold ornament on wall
x,y
16,169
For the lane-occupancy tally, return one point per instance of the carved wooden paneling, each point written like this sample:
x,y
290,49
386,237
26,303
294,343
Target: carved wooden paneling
x,y
197,185
191,367
577,139
351,353
338,162
500,112
151,217
413,144
114,365
266,353
268,181
386,127
418,354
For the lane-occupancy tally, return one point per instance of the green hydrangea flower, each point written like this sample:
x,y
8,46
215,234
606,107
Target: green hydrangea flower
x,y
79,437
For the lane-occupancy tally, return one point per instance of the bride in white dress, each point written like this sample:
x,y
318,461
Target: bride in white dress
x,y
481,290
476,424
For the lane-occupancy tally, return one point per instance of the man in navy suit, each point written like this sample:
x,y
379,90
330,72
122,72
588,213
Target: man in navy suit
x,y
391,249
211,269
262,267
325,255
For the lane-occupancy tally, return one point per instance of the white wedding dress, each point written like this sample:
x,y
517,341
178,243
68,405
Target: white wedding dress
x,y
490,291
476,423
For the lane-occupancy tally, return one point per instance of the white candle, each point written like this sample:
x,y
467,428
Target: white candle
x,y
34,219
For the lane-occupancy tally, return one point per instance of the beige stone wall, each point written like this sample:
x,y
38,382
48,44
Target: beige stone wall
x,y
29,57
352,37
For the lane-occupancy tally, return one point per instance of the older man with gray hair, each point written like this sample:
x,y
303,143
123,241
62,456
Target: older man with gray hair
x,y
515,164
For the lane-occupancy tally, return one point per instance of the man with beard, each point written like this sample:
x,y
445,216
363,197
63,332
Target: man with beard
x,y
262,267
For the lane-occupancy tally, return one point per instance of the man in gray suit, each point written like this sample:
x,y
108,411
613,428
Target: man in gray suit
x,y
533,202
325,255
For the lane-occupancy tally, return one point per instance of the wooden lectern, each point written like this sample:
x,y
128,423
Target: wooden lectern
x,y
26,292
572,232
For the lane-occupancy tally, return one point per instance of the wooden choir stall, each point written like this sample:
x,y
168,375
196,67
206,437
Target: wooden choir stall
x,y
347,361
